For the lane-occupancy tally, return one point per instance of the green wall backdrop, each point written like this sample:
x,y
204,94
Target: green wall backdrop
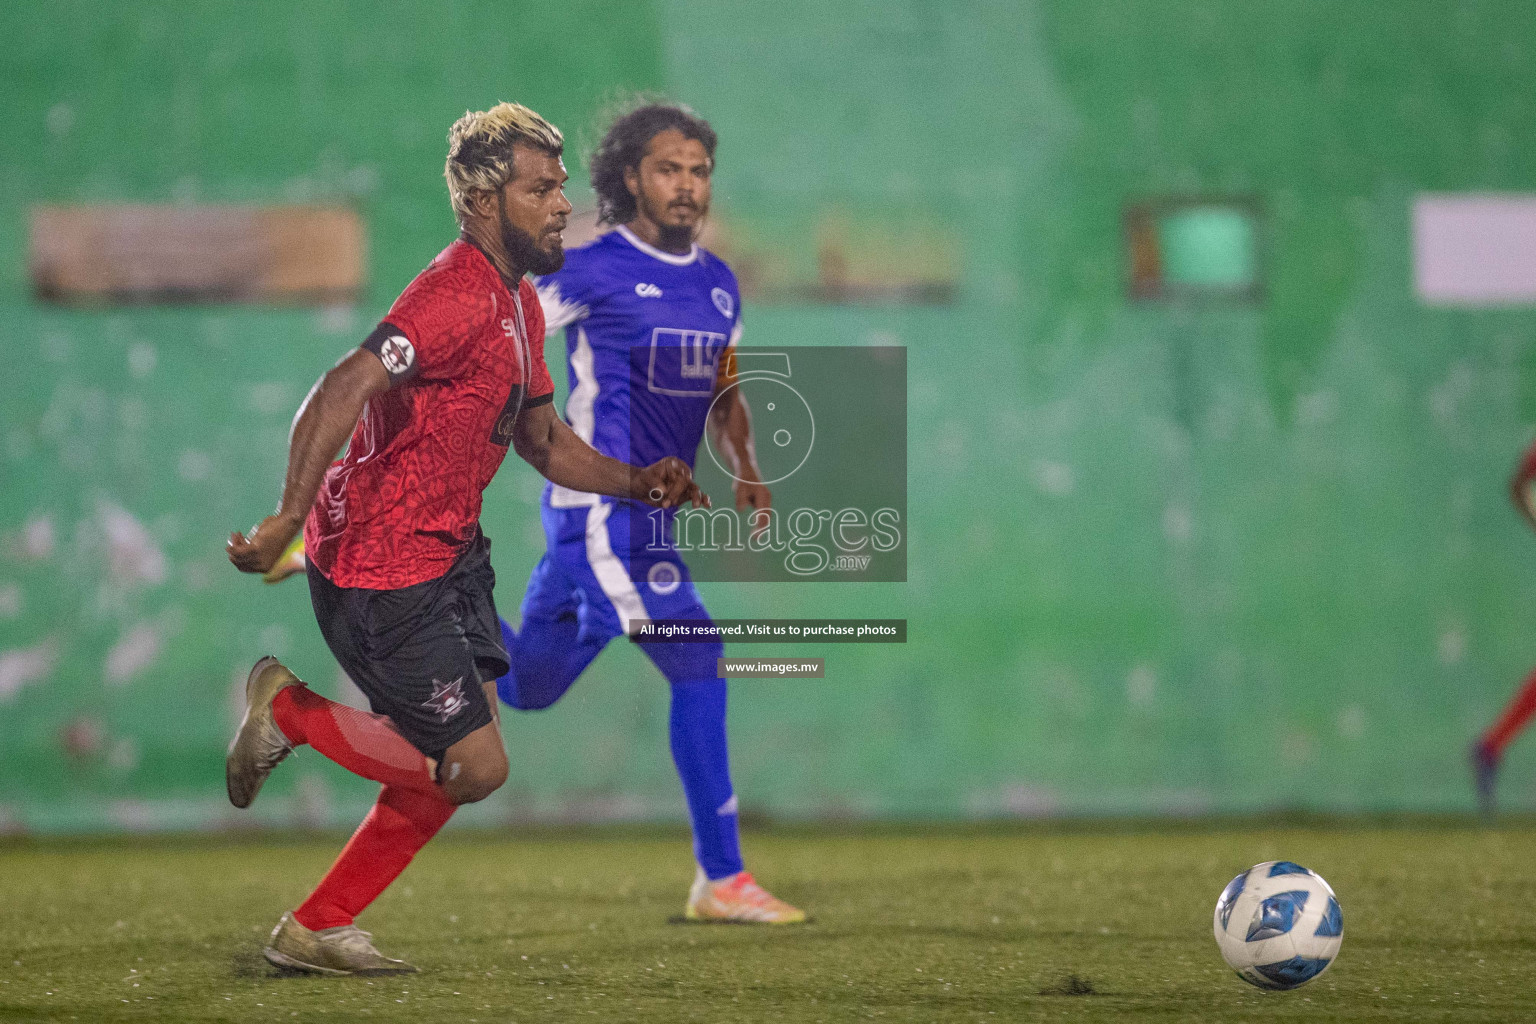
x,y
1163,558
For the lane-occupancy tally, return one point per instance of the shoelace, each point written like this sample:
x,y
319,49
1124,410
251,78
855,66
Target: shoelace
x,y
279,748
746,889
354,938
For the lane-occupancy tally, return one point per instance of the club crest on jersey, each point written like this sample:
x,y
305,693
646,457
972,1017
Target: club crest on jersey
x,y
647,291
664,578
397,354
447,699
723,302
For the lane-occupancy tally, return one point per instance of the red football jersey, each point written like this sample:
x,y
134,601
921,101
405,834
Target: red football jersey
x,y
464,358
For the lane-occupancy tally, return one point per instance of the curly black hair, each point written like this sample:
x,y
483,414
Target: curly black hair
x,y
623,146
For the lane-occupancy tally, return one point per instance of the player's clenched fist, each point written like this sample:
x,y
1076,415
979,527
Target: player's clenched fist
x,y
261,550
668,483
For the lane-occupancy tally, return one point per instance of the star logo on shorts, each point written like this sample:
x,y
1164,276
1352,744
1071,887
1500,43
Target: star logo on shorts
x,y
447,699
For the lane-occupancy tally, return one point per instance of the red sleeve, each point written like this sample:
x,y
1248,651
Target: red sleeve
x,y
432,327
540,385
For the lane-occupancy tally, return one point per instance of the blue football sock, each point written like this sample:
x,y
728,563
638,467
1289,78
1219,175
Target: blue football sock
x,y
699,751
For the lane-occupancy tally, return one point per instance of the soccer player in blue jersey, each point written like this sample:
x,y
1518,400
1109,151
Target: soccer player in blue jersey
x,y
649,319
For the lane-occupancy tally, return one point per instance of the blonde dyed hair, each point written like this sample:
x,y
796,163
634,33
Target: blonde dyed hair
x,y
480,150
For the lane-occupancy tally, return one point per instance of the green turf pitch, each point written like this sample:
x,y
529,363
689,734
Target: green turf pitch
x,y
1046,923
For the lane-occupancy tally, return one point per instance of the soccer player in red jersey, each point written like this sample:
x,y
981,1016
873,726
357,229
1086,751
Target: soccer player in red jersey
x,y
1488,750
399,572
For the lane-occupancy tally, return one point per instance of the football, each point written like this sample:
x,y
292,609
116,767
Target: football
x,y
1278,925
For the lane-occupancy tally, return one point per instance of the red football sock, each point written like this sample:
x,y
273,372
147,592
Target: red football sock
x,y
400,824
365,744
1514,718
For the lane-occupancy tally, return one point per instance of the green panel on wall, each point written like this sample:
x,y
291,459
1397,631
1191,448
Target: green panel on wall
x,y
1209,247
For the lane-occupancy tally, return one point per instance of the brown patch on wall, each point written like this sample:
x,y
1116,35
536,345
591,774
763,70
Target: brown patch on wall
x,y
1146,260
133,254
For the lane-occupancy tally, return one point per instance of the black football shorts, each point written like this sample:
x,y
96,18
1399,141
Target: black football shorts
x,y
420,653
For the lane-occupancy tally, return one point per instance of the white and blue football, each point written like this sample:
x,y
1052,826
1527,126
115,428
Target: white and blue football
x,y
1278,925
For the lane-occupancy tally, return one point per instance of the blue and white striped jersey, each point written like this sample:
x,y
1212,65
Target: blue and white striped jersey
x,y
644,333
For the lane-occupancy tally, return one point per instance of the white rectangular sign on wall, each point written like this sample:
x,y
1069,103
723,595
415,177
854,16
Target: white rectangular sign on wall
x,y
1475,249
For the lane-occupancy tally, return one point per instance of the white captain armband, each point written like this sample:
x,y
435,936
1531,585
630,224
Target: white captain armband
x,y
395,351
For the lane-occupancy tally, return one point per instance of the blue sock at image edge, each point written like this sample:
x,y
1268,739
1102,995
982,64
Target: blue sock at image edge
x,y
700,752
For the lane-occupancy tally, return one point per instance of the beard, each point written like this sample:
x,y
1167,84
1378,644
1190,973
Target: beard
x,y
523,251
674,237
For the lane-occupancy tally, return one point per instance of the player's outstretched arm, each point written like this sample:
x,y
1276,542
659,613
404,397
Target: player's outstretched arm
x,y
322,426
543,441
730,428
